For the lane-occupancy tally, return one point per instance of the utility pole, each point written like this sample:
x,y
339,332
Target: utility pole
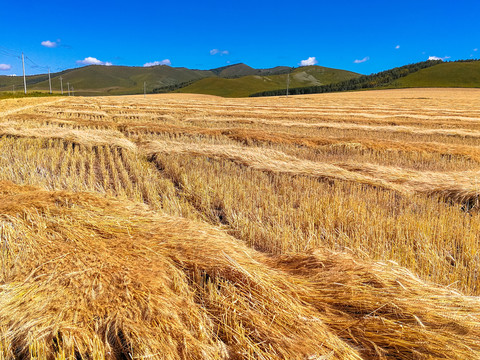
x,y
24,79
288,82
61,84
144,89
49,81
68,86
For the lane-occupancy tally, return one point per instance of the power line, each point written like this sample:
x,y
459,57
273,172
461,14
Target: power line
x,y
9,52
35,65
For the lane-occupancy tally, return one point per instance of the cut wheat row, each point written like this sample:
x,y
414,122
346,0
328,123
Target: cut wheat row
x,y
462,187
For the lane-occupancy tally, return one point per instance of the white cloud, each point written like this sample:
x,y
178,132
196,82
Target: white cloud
x,y
50,44
366,58
5,66
475,49
438,58
312,60
12,75
220,52
397,47
93,61
156,63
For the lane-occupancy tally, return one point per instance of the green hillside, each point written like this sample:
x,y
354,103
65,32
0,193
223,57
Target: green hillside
x,y
107,80
430,73
7,83
239,80
235,70
451,74
233,80
247,85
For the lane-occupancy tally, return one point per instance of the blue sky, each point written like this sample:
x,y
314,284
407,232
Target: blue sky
x,y
361,36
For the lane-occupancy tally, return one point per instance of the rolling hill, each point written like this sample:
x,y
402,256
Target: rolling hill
x,y
120,80
450,74
108,80
430,73
239,80
232,80
238,70
247,85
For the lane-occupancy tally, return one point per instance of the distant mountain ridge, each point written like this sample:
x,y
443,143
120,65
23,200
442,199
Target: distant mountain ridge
x,y
120,80
238,80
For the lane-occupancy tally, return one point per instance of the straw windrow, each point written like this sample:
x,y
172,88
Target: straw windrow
x,y
461,187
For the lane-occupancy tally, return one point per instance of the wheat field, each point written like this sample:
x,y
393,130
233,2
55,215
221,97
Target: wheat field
x,y
178,226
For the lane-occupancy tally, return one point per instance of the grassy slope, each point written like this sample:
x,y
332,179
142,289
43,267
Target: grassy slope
x,y
101,80
234,70
244,86
6,82
238,70
443,75
91,80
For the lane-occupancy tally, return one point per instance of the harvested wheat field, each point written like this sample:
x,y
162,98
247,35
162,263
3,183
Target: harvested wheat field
x,y
333,226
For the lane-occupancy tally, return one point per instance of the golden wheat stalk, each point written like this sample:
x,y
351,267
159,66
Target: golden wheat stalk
x,y
403,129
279,137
